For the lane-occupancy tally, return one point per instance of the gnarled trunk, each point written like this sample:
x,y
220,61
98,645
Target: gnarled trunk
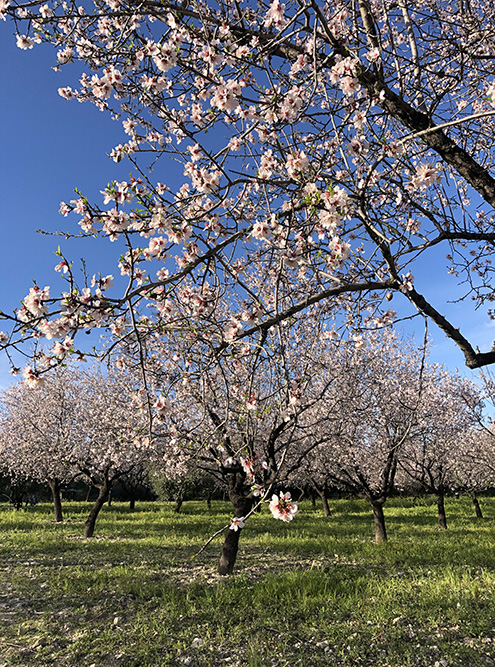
x,y
242,506
442,519
476,503
379,520
89,526
57,499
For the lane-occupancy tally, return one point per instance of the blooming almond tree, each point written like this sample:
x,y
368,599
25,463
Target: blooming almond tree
x,y
236,414
432,460
113,434
377,400
332,145
39,432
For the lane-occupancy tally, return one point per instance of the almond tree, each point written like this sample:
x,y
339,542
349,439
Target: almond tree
x,y
74,424
433,459
334,144
475,464
113,437
39,431
378,397
236,415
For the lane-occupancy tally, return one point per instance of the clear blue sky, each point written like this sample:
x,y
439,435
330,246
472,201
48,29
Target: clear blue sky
x,y
50,146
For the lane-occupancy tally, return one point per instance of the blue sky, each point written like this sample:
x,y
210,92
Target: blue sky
x,y
50,146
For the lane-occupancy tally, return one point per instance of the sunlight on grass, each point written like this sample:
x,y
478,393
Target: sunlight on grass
x,y
317,591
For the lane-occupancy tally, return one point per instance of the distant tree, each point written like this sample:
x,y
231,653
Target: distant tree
x,y
39,432
113,434
433,459
74,424
377,399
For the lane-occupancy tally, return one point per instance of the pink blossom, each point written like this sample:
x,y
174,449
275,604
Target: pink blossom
x,y
31,378
4,5
62,267
237,522
24,42
275,16
282,507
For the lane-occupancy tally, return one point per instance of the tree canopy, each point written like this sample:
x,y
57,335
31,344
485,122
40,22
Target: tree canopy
x,y
324,150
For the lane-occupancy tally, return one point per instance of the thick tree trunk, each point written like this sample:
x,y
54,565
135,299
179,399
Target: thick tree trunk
x,y
89,526
242,506
57,500
476,504
379,521
442,519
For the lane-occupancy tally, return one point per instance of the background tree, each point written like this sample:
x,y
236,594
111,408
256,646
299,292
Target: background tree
x,y
113,437
39,432
379,394
431,460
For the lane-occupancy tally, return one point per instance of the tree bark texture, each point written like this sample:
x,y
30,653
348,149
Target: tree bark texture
x,y
57,500
379,521
89,526
442,518
476,503
242,506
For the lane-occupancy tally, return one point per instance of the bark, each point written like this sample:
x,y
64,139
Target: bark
x,y
208,501
57,500
132,504
90,488
476,503
178,503
379,521
324,500
321,491
442,519
89,526
242,506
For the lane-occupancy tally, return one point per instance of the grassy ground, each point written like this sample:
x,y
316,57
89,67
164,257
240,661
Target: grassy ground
x,y
314,592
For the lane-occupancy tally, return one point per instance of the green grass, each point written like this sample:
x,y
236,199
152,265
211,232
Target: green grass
x,y
314,592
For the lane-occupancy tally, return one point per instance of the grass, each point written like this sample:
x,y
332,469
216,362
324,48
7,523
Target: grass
x,y
314,592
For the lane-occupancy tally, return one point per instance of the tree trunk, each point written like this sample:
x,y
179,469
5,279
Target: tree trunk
x,y
321,491
476,504
132,504
242,506
178,503
442,519
57,500
379,521
109,499
89,526
90,488
208,500
324,501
